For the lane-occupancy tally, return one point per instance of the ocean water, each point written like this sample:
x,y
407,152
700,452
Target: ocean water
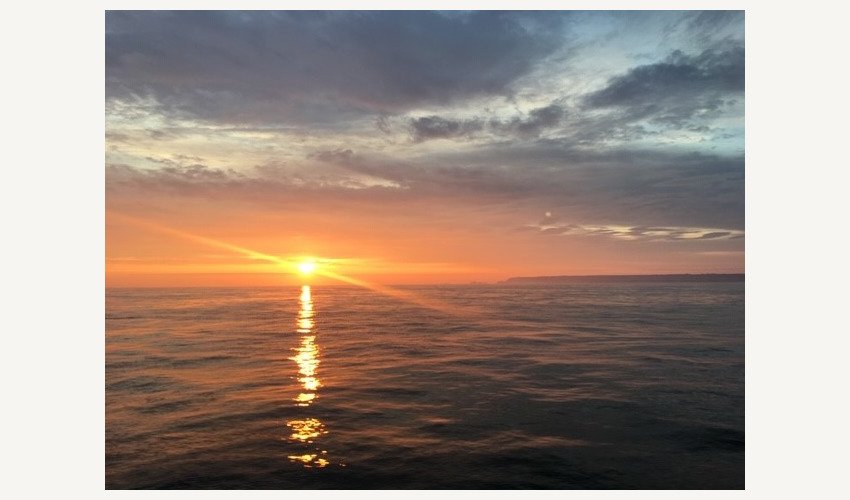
x,y
577,386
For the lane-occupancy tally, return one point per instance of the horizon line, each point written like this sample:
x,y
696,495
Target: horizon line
x,y
472,282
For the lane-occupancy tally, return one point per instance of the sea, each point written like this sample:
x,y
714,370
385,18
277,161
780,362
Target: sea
x,y
555,386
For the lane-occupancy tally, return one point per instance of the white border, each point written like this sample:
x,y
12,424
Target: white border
x,y
52,206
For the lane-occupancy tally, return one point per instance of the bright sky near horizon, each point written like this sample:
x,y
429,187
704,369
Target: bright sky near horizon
x,y
422,147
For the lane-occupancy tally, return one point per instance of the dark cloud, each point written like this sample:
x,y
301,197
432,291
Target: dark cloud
x,y
383,124
158,134
678,88
272,67
435,127
716,234
548,116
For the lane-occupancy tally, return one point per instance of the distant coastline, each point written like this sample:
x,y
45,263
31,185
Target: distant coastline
x,y
627,278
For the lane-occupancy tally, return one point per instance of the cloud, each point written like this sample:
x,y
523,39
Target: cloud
x,y
659,187
638,233
655,187
317,67
270,185
537,120
435,127
711,26
338,155
174,174
504,112
678,88
601,189
382,123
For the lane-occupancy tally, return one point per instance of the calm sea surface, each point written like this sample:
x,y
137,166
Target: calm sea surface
x,y
580,386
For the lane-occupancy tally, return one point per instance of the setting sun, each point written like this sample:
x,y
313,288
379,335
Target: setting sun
x,y
307,267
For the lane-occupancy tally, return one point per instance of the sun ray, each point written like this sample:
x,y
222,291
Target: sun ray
x,y
306,267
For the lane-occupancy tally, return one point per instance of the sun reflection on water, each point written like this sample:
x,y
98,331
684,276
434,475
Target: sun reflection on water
x,y
306,430
307,354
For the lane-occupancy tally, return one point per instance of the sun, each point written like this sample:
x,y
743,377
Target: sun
x,y
307,267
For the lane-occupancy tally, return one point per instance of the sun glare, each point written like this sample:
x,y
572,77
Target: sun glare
x,y
307,267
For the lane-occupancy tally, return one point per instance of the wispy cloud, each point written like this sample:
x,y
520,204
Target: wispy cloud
x,y
643,233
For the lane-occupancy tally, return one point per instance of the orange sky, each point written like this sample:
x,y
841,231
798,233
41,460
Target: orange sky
x,y
194,244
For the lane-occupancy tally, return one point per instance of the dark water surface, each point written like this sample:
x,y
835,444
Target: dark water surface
x,y
580,386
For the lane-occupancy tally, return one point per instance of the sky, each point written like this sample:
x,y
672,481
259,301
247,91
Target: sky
x,y
422,147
